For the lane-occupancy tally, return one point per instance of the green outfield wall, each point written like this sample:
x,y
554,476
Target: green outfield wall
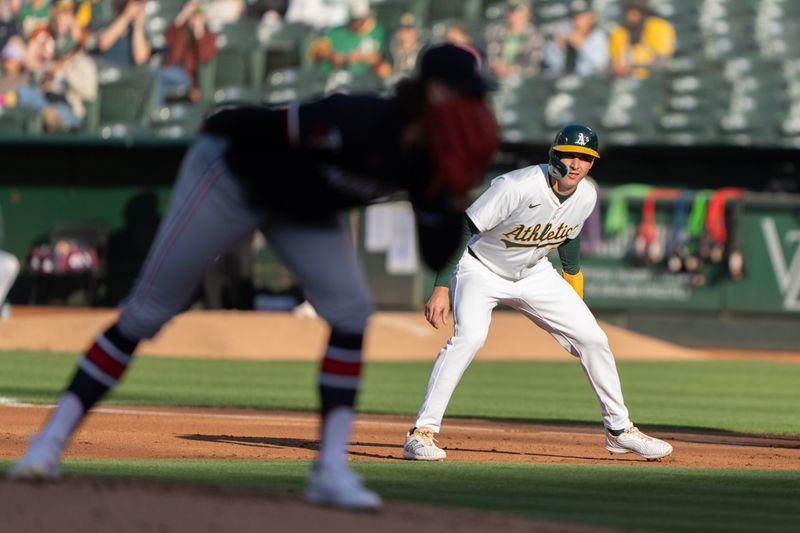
x,y
126,184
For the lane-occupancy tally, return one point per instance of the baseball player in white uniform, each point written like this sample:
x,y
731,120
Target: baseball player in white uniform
x,y
512,226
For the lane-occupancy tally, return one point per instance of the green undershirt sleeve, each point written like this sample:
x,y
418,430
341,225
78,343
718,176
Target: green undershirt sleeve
x,y
570,254
444,275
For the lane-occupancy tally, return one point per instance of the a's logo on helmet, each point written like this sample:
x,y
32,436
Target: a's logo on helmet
x,y
582,139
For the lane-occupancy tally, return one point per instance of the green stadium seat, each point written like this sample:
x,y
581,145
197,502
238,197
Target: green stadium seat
x,y
388,12
455,9
238,94
126,97
91,120
287,45
19,121
240,58
288,84
347,82
180,120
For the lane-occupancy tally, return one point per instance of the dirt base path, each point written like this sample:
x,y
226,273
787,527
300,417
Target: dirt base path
x,y
178,433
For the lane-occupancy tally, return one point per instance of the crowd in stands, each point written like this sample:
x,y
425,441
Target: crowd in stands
x,y
512,47
58,54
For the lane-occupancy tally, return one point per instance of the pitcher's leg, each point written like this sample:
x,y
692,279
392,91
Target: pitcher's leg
x,y
208,211
324,261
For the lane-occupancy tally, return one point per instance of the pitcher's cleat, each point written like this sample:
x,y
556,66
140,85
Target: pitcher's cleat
x,y
340,488
421,445
632,440
41,462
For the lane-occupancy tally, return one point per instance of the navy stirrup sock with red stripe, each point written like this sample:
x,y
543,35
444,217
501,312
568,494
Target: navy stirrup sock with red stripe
x,y
340,374
102,366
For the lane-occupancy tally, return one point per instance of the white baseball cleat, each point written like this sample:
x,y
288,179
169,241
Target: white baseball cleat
x,y
421,446
340,487
633,440
41,462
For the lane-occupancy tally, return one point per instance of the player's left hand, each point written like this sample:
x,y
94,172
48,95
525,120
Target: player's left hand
x,y
437,310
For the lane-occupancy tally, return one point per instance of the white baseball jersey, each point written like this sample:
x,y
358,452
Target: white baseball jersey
x,y
521,220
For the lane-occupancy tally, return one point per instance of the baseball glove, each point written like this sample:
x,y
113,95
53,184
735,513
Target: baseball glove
x,y
463,136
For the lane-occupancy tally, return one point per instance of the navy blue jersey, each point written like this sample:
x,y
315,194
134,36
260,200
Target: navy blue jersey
x,y
338,152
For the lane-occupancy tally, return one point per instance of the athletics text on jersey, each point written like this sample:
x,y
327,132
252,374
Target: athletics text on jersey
x,y
521,220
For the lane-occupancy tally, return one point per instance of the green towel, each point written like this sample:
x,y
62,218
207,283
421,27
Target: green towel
x,y
617,212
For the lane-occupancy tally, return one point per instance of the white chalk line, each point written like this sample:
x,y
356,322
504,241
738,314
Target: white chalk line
x,y
406,325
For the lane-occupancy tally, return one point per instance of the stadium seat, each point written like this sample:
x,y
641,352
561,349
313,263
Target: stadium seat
x,y
237,94
180,120
240,58
20,121
283,86
576,99
126,97
388,12
518,106
347,82
286,45
454,9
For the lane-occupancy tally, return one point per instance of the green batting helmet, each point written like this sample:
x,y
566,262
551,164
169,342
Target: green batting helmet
x,y
575,138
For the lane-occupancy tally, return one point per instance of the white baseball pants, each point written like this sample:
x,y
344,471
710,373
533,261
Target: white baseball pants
x,y
550,303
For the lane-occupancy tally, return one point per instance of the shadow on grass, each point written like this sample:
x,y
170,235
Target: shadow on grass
x,y
680,432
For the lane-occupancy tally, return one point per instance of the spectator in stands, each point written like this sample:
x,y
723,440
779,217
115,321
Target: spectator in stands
x,y
357,47
578,45
191,43
320,14
515,48
67,33
66,76
8,20
221,12
405,46
457,33
269,12
641,42
33,14
121,42
16,83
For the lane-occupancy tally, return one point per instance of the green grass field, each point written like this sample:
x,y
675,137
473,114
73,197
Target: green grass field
x,y
744,396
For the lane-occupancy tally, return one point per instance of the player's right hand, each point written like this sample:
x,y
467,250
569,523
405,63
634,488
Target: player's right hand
x,y
437,310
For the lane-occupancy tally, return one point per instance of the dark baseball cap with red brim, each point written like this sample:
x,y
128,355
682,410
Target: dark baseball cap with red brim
x,y
457,67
